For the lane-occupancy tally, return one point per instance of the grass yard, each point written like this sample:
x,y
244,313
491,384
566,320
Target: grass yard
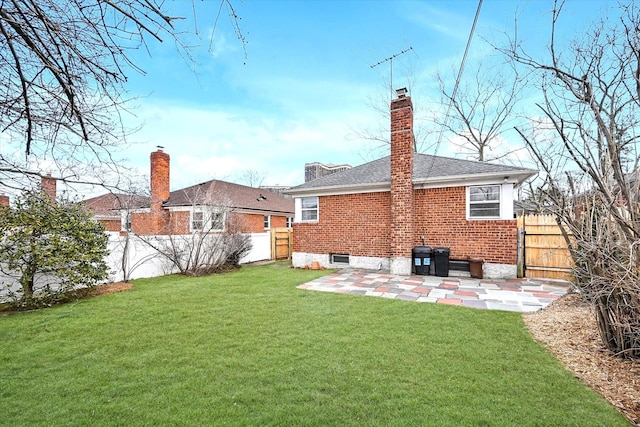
x,y
248,348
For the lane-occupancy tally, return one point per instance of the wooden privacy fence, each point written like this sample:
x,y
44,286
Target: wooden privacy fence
x,y
543,251
281,241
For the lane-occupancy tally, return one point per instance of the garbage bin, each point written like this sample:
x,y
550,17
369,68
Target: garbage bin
x,y
421,256
441,261
475,267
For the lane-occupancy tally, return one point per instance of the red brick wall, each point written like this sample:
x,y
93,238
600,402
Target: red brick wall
x,y
4,200
360,225
160,179
48,185
111,224
254,223
250,223
441,218
402,196
355,224
278,221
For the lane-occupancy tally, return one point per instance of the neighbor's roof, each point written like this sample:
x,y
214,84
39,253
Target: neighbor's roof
x,y
108,204
428,170
231,195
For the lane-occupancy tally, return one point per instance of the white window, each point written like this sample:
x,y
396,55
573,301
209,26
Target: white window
x,y
309,208
267,222
217,221
125,221
197,221
484,201
207,221
289,222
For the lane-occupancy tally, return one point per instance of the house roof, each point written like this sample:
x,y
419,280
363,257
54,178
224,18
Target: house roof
x,y
231,195
108,204
428,171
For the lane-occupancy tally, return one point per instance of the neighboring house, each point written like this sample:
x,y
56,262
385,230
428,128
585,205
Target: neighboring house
x,y
111,209
318,170
372,215
210,206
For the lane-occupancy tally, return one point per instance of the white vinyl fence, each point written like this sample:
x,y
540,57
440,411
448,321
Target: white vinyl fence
x,y
143,261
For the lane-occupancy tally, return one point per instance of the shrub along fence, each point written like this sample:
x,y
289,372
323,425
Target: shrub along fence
x,y
131,258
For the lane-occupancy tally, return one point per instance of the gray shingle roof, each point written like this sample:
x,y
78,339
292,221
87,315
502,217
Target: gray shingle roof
x,y
426,168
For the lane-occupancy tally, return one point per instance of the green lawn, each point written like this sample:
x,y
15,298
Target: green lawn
x,y
248,348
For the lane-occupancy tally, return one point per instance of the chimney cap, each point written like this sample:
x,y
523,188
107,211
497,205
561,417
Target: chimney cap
x,y
402,92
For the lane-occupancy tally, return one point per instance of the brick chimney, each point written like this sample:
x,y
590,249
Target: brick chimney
x,y
48,186
4,200
402,195
159,190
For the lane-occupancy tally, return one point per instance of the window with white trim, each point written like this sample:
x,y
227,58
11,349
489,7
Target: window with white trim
x,y
267,222
207,221
289,222
309,208
484,201
197,221
217,221
125,221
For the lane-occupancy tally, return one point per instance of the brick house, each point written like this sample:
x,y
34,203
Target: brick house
x,y
109,208
211,206
372,215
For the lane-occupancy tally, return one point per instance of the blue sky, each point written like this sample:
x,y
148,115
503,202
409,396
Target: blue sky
x,y
304,91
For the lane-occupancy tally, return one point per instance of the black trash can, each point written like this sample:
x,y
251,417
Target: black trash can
x,y
421,257
441,261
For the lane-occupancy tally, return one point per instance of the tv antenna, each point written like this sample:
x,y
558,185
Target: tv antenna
x,y
390,61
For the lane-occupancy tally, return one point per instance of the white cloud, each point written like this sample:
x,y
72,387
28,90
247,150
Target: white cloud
x,y
209,142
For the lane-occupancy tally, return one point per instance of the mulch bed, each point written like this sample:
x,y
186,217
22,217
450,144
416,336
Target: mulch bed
x,y
568,329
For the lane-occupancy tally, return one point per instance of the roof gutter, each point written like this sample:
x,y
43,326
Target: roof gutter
x,y
516,178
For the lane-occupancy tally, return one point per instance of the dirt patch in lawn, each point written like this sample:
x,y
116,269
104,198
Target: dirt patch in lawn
x,y
110,288
568,329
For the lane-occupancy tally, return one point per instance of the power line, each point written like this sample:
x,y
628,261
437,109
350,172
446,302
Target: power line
x,y
458,78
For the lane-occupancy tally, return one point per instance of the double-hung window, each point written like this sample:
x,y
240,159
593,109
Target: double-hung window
x,y
484,201
267,222
197,221
309,208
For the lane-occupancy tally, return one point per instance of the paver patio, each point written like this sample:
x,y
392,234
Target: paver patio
x,y
522,295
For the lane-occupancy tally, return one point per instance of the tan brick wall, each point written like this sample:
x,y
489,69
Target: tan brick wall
x,y
361,225
357,224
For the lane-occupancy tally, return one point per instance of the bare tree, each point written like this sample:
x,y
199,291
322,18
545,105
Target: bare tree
x,y
481,109
252,178
63,65
202,240
591,104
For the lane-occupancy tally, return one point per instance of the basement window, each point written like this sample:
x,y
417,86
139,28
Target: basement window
x,y
339,258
